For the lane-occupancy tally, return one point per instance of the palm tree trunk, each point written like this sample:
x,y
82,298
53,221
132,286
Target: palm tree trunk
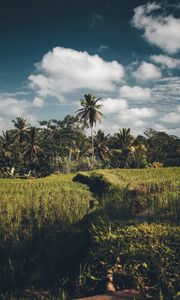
x,y
92,142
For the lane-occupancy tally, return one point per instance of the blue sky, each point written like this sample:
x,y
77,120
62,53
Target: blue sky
x,y
126,52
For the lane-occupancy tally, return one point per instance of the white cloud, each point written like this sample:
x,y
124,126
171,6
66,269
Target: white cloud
x,y
110,106
139,113
172,131
38,102
172,117
65,70
159,29
12,108
147,71
166,61
134,93
118,114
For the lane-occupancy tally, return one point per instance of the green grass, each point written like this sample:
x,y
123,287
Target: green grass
x,y
25,204
141,256
150,193
45,230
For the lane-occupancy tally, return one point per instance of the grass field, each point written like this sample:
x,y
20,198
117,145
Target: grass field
x,y
52,230
152,193
40,202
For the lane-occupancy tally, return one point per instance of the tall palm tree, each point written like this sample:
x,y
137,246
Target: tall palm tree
x,y
90,114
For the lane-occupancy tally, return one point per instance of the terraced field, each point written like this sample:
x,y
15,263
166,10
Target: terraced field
x,y
61,233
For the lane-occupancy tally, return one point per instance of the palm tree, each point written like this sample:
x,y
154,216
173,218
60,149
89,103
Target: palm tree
x,y
90,114
101,145
31,148
6,146
22,128
123,142
6,140
124,138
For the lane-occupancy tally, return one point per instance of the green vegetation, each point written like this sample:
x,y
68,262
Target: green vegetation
x,y
144,256
90,114
59,234
152,194
61,146
36,219
41,202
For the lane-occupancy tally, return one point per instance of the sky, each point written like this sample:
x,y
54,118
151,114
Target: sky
x,y
126,52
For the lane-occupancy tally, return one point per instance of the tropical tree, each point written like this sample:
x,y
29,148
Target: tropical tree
x,y
101,147
122,146
32,148
22,128
90,114
163,148
6,149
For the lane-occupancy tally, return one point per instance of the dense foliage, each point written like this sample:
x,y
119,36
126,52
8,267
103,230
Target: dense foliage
x,y
62,146
144,256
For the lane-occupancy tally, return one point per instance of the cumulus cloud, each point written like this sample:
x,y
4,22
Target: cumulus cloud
x,y
147,71
12,108
119,114
65,70
166,61
139,113
38,102
134,93
111,106
159,29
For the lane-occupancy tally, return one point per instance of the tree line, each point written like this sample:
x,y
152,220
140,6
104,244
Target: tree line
x,y
63,146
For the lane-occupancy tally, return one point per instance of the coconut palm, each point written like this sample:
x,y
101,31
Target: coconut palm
x,y
124,138
22,128
123,141
101,145
6,140
31,148
90,114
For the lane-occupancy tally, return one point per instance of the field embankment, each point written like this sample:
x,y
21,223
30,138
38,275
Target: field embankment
x,y
149,194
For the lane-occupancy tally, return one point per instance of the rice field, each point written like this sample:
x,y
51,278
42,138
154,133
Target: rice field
x,y
51,201
146,192
46,225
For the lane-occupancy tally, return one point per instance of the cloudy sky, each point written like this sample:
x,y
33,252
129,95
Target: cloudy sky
x,y
126,52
